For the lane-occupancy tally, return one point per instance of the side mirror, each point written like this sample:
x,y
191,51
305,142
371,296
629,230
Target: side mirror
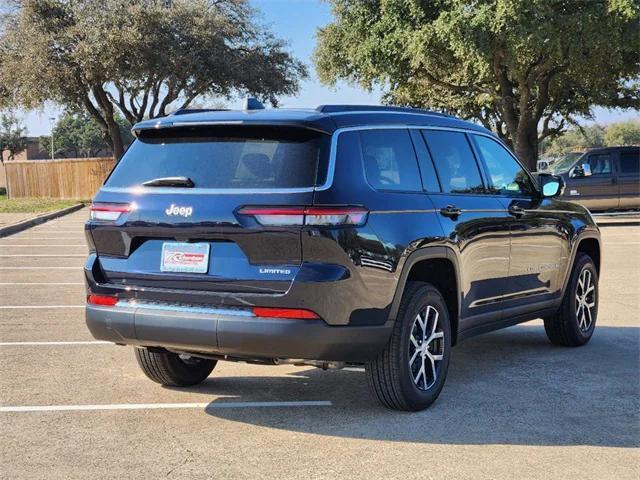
x,y
583,170
551,185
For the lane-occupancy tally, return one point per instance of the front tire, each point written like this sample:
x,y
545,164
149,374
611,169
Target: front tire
x,y
410,373
173,370
575,321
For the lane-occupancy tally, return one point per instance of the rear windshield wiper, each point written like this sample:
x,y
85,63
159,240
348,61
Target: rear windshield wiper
x,y
170,182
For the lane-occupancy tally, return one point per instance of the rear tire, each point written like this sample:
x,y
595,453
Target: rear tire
x,y
168,368
574,322
410,373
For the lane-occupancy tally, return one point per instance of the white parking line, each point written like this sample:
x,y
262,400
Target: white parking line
x,y
19,307
43,255
158,406
38,344
56,231
16,245
40,283
41,268
37,237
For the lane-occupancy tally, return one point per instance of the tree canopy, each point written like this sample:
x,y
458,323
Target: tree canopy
x,y
140,58
78,135
623,133
592,136
524,68
12,135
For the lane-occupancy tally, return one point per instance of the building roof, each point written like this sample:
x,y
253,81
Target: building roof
x,y
326,118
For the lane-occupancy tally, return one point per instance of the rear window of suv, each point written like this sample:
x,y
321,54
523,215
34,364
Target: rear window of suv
x,y
226,157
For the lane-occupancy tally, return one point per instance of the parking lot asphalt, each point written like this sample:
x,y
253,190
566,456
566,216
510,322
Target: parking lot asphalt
x,y
514,405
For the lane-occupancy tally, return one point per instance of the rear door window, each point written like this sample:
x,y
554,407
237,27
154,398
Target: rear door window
x,y
454,160
630,161
389,160
226,157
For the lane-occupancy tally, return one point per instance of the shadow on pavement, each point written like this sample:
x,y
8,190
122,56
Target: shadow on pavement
x,y
509,387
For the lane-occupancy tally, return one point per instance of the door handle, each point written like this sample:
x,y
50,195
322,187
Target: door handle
x,y
450,211
516,211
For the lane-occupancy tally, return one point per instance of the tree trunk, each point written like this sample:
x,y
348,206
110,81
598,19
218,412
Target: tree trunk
x,y
113,130
525,144
105,112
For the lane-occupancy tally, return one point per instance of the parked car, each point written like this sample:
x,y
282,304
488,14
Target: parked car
x,y
374,236
544,164
603,178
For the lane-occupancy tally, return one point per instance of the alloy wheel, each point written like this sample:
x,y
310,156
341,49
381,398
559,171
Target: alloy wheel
x,y
426,348
585,300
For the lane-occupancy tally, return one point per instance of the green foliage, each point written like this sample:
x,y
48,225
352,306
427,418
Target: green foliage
x,y
575,139
140,58
12,135
623,133
593,136
521,67
79,135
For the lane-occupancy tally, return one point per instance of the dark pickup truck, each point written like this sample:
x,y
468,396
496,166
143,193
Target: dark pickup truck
x,y
602,179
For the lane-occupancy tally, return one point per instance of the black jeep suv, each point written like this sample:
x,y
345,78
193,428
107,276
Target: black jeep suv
x,y
377,236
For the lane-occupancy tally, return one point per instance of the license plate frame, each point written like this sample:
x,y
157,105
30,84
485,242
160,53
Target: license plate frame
x,y
183,257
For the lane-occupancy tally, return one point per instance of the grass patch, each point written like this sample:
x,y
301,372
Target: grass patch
x,y
33,205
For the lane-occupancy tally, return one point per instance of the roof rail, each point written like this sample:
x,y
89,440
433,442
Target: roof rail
x,y
375,108
185,111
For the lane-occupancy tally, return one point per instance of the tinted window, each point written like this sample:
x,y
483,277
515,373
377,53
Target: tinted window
x,y
506,176
630,161
238,157
389,160
600,163
456,166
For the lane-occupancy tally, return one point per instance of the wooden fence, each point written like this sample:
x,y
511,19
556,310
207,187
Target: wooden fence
x,y
77,178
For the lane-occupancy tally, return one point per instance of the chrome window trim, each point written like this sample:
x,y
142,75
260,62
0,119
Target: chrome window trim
x,y
138,190
334,140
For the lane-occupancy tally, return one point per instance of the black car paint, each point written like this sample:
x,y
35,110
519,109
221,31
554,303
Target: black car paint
x,y
509,267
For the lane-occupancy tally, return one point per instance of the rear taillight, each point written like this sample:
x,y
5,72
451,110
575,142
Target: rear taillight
x,y
103,300
109,212
298,216
292,313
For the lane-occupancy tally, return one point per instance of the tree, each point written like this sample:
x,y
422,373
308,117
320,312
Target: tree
x,y
575,139
139,58
12,136
79,135
622,133
523,68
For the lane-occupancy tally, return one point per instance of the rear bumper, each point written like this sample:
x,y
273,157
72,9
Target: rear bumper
x,y
236,333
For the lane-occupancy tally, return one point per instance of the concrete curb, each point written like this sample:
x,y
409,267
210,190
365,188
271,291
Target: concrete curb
x,y
30,222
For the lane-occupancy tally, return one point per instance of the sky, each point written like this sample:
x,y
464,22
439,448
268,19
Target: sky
x,y
296,22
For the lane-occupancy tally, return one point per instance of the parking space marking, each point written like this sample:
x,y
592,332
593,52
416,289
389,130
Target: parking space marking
x,y
44,255
37,344
40,283
37,237
18,307
159,406
19,245
42,268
